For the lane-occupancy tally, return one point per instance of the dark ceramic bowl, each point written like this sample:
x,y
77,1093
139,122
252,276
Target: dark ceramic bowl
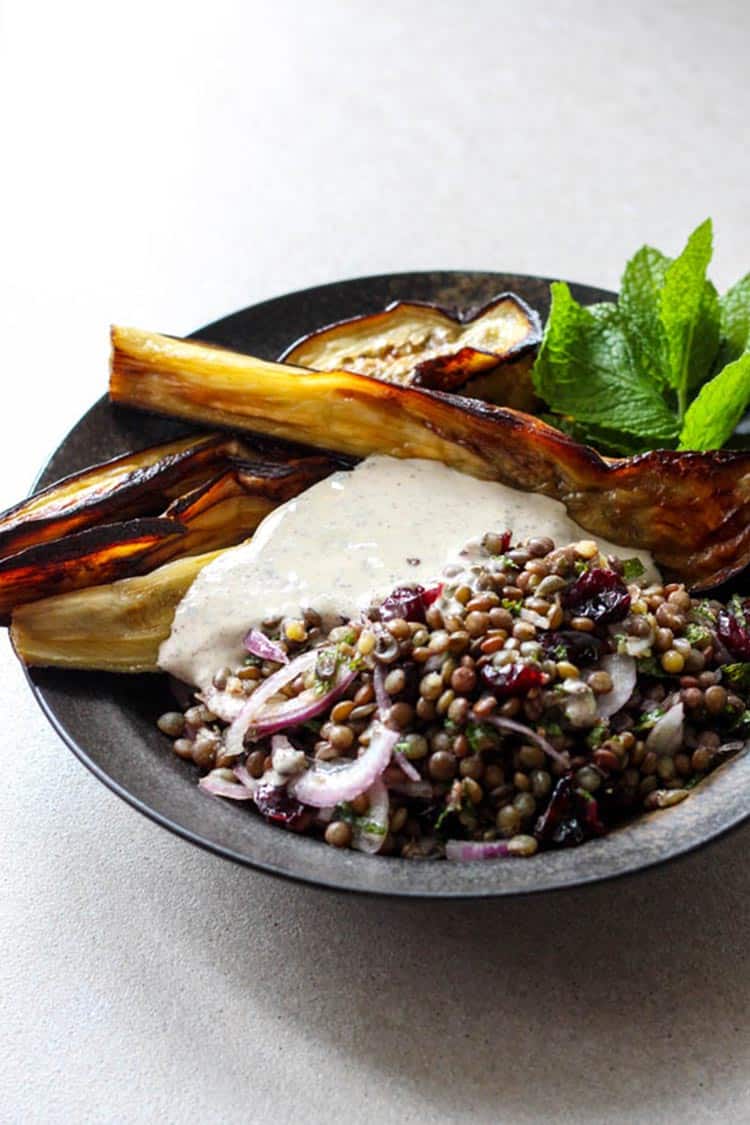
x,y
109,721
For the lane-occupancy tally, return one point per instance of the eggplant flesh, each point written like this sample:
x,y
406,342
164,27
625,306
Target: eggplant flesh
x,y
691,510
487,354
116,627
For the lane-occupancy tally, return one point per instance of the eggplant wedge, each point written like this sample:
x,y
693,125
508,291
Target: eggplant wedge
x,y
487,354
138,484
110,628
691,510
219,513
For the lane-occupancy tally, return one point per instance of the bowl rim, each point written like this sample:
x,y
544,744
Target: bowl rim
x,y
639,865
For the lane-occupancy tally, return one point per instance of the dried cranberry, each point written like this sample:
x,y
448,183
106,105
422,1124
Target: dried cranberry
x,y
599,594
592,819
431,594
512,679
559,808
409,602
569,644
733,630
568,833
405,602
570,817
275,804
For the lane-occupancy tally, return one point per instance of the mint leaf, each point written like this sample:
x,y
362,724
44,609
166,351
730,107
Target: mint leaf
x,y
713,415
602,439
640,306
689,310
585,369
734,309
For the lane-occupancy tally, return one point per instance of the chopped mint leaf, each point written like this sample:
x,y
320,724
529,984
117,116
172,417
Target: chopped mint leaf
x,y
712,416
511,606
704,611
649,719
632,569
738,675
740,723
597,735
370,826
480,736
697,634
649,666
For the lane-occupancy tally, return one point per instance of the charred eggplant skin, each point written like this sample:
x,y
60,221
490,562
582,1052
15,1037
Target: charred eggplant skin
x,y
85,558
692,510
138,484
218,513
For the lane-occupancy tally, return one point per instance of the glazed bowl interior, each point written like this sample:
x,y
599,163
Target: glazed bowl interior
x,y
109,721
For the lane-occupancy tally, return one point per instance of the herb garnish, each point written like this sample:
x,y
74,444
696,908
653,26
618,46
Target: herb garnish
x,y
632,569
667,366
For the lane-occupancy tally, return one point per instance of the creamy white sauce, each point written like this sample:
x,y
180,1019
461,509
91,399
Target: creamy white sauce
x,y
346,542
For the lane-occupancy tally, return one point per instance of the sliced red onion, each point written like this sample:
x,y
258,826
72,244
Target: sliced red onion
x,y
666,735
623,671
286,759
415,790
639,646
381,695
369,831
406,767
467,850
242,775
534,618
258,644
225,704
219,786
580,705
261,719
512,727
324,784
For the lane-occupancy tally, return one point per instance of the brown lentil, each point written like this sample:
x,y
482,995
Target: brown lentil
x,y
442,765
338,834
715,699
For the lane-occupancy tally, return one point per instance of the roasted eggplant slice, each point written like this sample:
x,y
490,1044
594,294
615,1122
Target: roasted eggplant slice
x,y
487,354
219,513
692,510
112,628
138,484
86,558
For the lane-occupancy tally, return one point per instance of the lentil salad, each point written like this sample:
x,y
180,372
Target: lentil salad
x,y
533,697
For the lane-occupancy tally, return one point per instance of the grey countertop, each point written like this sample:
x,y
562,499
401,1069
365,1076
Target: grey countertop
x,y
171,164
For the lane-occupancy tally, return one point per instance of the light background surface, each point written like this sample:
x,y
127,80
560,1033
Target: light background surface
x,y
165,164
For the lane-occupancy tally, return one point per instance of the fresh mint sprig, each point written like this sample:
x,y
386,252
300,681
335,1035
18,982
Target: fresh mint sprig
x,y
667,366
